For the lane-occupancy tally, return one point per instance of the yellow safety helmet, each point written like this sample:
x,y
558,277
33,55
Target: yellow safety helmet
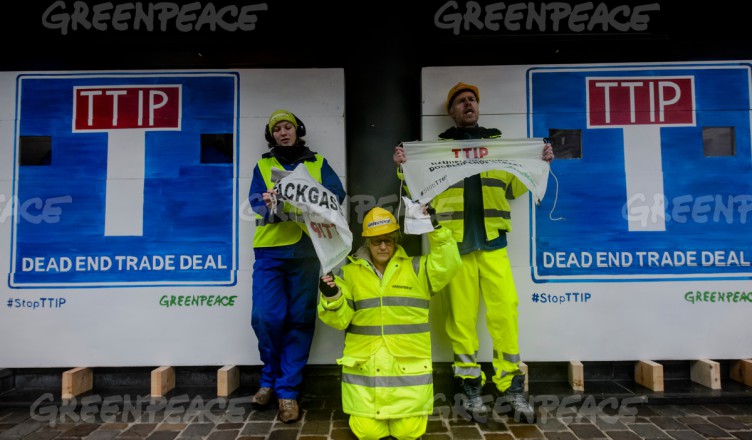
x,y
460,87
379,221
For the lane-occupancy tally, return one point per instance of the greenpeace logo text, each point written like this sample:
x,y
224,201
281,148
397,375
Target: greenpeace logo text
x,y
147,16
540,17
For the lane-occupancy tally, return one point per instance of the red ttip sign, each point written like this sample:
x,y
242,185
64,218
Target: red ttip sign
x,y
123,107
623,101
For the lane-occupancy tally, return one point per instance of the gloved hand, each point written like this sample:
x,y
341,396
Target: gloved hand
x,y
430,210
327,290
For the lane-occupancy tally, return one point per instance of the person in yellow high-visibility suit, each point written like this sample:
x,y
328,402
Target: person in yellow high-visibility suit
x,y
478,213
381,300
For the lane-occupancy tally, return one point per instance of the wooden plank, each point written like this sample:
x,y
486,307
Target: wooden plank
x,y
576,376
77,381
649,374
741,371
524,369
162,381
228,380
706,372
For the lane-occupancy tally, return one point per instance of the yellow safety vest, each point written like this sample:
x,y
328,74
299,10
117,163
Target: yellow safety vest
x,y
497,188
290,230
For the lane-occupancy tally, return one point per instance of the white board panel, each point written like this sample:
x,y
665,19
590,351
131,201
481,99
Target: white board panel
x,y
638,301
193,210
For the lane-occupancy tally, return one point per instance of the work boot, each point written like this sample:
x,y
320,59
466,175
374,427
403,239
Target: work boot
x,y
288,410
474,403
262,396
515,396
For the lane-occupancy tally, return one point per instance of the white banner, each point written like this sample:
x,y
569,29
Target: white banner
x,y
416,222
322,213
434,166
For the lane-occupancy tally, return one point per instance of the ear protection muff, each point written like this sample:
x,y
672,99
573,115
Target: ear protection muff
x,y
300,131
301,127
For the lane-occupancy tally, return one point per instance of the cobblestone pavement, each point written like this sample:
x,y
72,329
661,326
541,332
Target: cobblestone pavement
x,y
186,418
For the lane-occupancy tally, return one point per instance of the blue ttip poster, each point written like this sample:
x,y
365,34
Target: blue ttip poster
x,y
136,182
661,185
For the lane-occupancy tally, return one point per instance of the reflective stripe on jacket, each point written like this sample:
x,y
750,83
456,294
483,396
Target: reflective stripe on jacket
x,y
497,188
286,226
389,315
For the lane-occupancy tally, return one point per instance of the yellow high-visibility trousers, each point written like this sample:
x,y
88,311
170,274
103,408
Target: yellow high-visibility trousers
x,y
486,273
405,428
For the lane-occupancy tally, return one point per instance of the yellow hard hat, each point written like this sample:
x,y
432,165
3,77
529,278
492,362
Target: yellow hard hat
x,y
379,221
460,87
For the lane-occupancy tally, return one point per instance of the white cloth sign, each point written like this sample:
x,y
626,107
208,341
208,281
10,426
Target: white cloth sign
x,y
434,166
322,213
416,222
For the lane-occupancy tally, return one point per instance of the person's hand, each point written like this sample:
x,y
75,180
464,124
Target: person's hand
x,y
399,155
270,198
548,152
431,211
327,286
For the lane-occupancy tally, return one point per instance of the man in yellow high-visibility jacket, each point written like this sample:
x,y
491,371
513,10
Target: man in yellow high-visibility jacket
x,y
381,300
478,213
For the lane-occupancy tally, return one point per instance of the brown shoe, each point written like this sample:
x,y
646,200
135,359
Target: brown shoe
x,y
262,396
288,410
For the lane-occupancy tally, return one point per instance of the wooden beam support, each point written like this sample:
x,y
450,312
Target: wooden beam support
x,y
706,372
649,374
77,381
524,369
228,380
576,376
741,371
162,381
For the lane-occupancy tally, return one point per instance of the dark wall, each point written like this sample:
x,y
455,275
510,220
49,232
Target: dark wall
x,y
382,46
